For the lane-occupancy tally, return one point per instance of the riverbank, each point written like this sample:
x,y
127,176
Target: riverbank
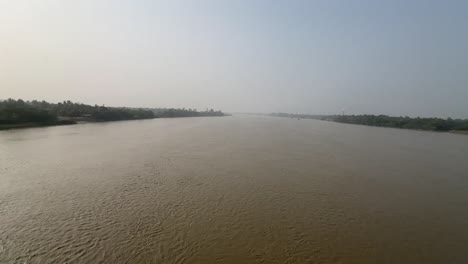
x,y
33,124
24,114
460,132
75,121
458,126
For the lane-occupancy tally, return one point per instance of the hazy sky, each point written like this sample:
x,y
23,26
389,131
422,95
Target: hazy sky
x,y
390,57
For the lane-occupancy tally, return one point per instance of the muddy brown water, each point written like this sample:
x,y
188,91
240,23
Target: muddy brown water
x,y
238,189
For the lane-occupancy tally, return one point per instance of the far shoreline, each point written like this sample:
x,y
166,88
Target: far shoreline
x,y
18,114
438,125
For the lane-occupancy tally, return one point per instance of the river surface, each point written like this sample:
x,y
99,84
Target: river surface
x,y
238,189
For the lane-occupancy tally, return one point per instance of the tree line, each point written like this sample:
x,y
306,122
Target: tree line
x,y
433,124
173,112
67,112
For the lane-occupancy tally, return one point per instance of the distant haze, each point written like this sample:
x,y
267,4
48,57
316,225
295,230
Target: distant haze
x,y
316,57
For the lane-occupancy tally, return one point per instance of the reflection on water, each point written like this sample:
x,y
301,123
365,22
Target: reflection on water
x,y
232,190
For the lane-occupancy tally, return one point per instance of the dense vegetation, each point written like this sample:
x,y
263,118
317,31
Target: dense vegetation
x,y
16,113
172,112
434,124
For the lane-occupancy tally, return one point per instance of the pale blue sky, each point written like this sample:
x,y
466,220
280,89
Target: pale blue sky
x,y
318,57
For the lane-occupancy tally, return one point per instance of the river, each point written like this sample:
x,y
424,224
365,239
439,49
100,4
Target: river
x,y
238,189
